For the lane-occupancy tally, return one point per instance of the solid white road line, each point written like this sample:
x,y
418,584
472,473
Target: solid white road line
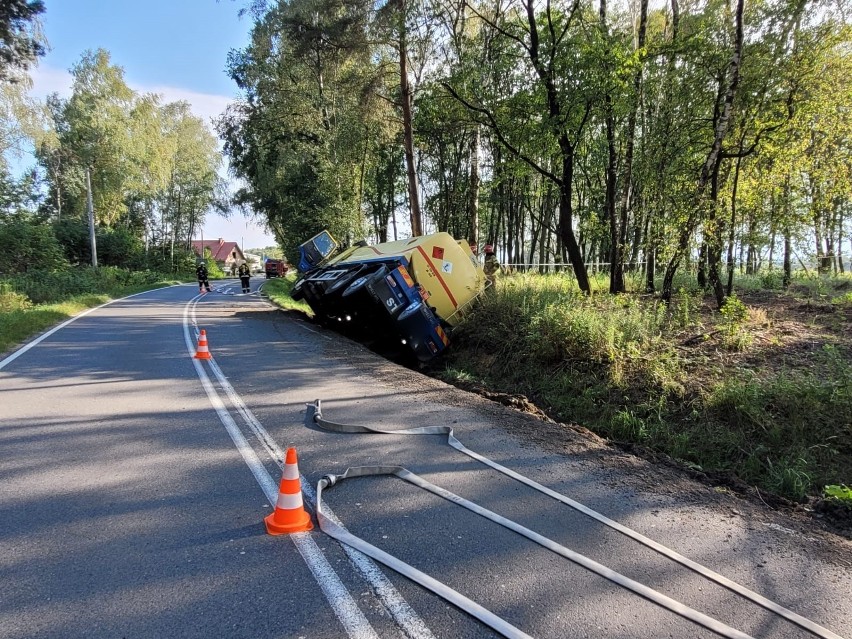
x,y
406,618
43,337
404,615
353,620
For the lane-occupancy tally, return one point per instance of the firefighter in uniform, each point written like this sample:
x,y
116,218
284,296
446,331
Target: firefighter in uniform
x,y
245,273
201,274
491,266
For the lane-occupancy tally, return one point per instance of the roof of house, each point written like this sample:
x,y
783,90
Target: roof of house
x,y
219,248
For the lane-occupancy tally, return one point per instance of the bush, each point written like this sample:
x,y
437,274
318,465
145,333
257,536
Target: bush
x,y
11,300
616,365
28,244
44,287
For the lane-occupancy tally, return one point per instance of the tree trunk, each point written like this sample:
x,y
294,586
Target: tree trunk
x,y
711,164
473,201
627,177
566,221
408,132
788,249
732,234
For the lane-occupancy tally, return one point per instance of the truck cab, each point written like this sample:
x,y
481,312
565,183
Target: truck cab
x,y
413,291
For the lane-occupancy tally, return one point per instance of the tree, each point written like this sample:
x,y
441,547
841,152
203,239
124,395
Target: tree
x,y
709,172
20,42
560,103
297,139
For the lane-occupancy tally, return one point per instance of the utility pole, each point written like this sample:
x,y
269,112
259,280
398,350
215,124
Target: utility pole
x,y
91,210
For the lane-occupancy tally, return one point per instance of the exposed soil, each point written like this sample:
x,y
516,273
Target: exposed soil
x,y
784,329
642,469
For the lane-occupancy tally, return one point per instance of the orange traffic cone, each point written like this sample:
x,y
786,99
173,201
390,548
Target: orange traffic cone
x,y
202,352
290,515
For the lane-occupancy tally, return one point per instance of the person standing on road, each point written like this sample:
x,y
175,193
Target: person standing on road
x,y
201,274
492,265
245,274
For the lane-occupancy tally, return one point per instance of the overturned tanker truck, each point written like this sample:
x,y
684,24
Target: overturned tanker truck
x,y
411,292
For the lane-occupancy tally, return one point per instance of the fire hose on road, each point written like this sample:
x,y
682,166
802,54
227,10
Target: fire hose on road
x,y
314,415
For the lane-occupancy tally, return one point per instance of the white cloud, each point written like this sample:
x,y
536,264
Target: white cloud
x,y
206,106
47,80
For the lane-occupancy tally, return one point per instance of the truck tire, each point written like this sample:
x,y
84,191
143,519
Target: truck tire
x,y
361,283
296,292
412,309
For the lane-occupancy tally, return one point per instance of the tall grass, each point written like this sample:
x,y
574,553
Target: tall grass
x,y
612,363
52,286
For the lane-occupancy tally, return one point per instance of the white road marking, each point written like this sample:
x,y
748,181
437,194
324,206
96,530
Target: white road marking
x,y
353,620
404,615
341,601
302,324
406,618
11,358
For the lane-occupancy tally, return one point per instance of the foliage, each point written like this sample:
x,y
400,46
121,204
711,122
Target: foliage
x,y
46,287
842,493
611,363
22,319
28,244
735,314
278,291
298,137
213,270
11,300
20,44
152,167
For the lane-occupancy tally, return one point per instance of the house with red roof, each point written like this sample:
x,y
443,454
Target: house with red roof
x,y
225,254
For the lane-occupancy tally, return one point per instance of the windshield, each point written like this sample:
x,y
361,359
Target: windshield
x,y
315,250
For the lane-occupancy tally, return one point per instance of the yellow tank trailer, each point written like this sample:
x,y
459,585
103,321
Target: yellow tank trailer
x,y
413,291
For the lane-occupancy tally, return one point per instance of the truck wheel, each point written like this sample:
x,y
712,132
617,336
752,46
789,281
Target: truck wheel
x,y
296,292
411,310
361,282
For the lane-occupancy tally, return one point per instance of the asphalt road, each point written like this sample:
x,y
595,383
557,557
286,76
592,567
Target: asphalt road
x,y
134,480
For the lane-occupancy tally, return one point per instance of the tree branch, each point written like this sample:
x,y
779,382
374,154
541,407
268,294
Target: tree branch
x,y
492,124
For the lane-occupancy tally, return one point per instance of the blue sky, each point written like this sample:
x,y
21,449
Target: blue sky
x,y
177,48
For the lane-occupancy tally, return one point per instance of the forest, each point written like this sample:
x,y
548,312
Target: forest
x,y
574,135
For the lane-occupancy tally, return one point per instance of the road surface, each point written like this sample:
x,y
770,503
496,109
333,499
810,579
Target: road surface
x,y
134,480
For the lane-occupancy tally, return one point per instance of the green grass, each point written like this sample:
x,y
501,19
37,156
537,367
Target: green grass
x,y
612,364
840,493
278,290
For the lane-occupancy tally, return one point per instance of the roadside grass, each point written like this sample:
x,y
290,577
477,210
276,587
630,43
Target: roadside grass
x,y
278,290
62,298
672,379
